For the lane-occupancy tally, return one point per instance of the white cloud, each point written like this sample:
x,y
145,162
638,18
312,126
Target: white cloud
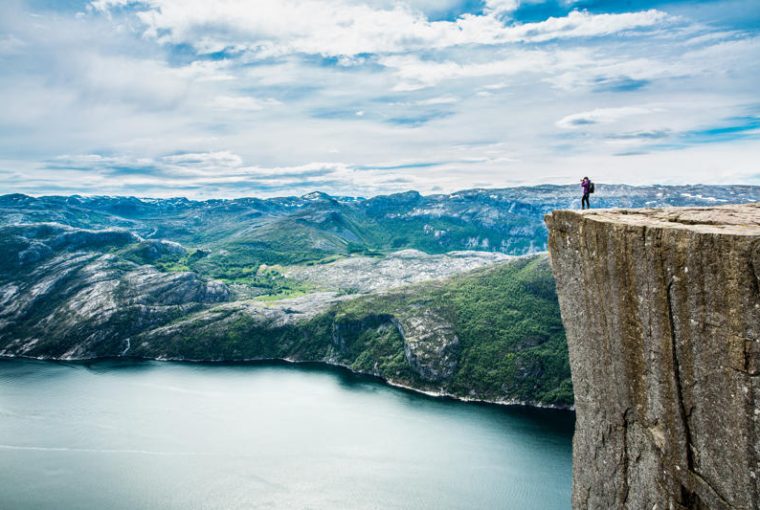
x,y
584,24
451,104
438,100
10,44
709,164
501,7
602,116
342,28
242,103
415,73
205,161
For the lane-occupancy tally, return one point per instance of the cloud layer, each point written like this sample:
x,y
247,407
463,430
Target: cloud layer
x,y
197,98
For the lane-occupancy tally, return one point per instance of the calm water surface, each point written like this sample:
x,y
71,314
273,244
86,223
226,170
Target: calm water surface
x,y
150,435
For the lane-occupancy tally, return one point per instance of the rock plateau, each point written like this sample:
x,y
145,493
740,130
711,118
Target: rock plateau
x,y
662,314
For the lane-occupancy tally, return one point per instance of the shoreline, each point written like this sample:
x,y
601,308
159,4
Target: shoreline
x,y
321,363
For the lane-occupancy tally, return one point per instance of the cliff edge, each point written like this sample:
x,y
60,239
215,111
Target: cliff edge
x,y
662,314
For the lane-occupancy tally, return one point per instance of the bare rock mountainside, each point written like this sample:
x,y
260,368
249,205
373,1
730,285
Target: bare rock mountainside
x,y
662,315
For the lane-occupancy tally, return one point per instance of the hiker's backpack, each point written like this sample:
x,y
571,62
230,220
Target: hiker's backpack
x,y
590,187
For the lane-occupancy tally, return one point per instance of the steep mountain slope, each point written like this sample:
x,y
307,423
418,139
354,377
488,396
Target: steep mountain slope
x,y
65,292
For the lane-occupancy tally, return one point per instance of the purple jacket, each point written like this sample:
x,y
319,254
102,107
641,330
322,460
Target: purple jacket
x,y
585,185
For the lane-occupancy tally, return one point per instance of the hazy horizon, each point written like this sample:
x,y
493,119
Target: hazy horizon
x,y
167,98
601,186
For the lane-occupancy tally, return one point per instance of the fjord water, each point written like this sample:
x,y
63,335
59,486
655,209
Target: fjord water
x,y
152,435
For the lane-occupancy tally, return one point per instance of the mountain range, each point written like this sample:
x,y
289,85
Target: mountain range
x,y
449,294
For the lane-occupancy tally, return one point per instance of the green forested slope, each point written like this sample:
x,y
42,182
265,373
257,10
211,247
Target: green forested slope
x,y
511,340
493,334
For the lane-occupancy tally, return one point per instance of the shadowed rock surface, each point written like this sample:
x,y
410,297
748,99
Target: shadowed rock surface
x,y
662,315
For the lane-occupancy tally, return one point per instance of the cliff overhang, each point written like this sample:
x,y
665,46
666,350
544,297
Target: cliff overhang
x,y
662,313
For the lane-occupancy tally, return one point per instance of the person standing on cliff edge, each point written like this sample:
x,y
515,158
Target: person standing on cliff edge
x,y
586,185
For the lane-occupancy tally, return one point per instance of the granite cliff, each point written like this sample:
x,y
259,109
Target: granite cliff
x,y
662,315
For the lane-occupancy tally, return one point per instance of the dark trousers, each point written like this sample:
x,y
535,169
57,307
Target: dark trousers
x,y
584,201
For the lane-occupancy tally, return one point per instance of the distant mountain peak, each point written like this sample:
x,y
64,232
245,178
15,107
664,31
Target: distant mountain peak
x,y
316,195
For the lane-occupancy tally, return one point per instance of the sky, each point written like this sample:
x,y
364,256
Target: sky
x,y
234,98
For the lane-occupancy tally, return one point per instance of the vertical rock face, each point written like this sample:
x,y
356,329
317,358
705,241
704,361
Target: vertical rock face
x,y
662,313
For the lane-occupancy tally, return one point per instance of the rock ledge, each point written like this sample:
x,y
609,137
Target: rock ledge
x,y
662,313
